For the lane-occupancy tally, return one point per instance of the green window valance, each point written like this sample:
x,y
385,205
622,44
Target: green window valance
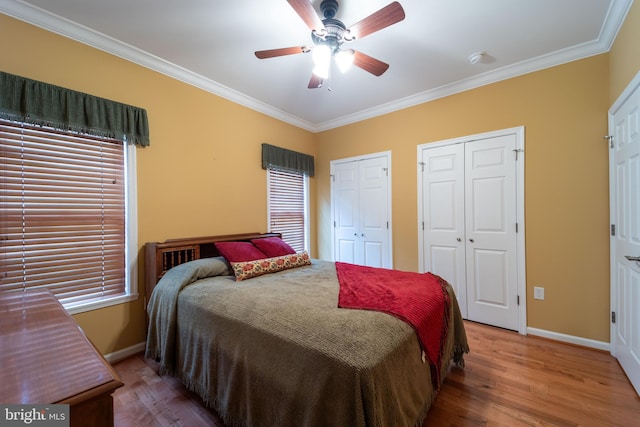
x,y
44,104
288,160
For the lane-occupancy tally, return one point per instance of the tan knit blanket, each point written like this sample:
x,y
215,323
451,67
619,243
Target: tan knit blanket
x,y
277,350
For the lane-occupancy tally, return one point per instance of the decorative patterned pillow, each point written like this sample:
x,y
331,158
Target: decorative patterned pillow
x,y
273,246
248,269
239,251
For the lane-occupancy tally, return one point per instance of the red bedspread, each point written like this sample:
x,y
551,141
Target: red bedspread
x,y
419,299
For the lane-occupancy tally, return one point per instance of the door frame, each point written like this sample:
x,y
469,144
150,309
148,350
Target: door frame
x,y
520,235
613,212
387,155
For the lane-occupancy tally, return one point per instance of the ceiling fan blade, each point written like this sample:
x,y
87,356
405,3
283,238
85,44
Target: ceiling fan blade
x,y
263,54
388,15
370,64
315,82
308,14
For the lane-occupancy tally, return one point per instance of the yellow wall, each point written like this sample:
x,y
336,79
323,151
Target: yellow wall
x,y
200,176
625,54
564,111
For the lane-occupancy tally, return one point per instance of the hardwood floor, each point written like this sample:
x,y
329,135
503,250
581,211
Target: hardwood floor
x,y
508,380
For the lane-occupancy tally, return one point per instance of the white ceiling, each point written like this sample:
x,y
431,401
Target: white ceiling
x,y
211,44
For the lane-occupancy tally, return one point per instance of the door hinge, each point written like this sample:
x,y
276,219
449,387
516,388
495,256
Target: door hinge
x,y
387,225
613,229
518,299
386,171
613,317
516,227
334,224
333,178
610,139
518,150
421,165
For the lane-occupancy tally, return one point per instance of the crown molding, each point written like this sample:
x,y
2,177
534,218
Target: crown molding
x,y
613,22
64,27
72,30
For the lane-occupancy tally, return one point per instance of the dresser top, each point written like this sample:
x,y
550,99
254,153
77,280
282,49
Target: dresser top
x,y
44,355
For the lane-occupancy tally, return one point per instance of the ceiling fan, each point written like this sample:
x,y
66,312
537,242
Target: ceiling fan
x,y
329,34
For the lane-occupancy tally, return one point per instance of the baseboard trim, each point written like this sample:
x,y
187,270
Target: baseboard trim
x,y
585,342
125,352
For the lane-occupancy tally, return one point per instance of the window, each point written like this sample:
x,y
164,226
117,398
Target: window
x,y
287,188
67,209
288,207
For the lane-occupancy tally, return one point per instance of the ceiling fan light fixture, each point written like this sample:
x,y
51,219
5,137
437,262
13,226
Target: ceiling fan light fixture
x,y
329,34
321,71
344,59
321,55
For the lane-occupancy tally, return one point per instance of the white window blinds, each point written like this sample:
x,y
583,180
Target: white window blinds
x,y
287,206
62,209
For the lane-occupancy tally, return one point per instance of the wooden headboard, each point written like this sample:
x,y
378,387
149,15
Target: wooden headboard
x,y
161,256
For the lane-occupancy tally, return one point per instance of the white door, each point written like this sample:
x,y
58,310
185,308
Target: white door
x,y
362,211
490,206
469,223
345,199
624,183
444,242
374,214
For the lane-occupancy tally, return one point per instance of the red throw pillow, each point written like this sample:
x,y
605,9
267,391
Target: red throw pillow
x,y
273,246
239,251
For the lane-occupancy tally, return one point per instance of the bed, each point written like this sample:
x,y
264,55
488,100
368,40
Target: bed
x,y
276,350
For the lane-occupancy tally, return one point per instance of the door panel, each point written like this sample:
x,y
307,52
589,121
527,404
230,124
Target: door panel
x,y
443,242
345,194
490,277
490,203
373,211
346,249
373,254
624,125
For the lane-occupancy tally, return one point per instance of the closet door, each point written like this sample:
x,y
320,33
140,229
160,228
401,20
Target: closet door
x,y
361,211
346,213
490,206
374,213
468,204
444,237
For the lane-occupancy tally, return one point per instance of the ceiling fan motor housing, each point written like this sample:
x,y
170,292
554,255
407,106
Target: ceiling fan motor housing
x,y
334,29
329,8
334,35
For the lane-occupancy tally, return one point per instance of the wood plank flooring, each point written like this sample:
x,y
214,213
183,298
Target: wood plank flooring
x,y
508,380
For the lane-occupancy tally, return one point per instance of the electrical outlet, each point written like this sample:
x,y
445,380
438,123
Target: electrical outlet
x,y
538,292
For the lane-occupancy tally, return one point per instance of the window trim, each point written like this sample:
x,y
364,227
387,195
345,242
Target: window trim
x,y
131,242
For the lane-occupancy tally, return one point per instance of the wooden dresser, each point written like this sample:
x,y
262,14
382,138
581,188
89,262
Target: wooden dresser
x,y
46,358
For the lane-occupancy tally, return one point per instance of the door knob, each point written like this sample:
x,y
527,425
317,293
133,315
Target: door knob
x,y
471,240
459,239
633,258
